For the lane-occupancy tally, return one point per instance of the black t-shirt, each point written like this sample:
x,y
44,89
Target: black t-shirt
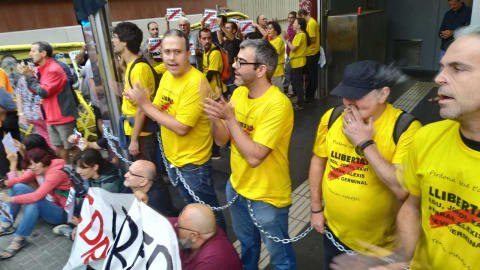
x,y
232,47
159,200
474,145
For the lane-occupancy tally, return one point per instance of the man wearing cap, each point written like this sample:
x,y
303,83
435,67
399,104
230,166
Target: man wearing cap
x,y
354,164
6,104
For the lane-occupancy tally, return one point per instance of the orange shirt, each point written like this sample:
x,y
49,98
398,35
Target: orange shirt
x,y
5,82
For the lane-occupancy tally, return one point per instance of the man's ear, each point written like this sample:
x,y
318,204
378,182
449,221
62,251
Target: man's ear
x,y
385,93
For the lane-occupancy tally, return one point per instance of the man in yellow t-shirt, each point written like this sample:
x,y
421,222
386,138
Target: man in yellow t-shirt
x,y
313,54
442,212
354,164
212,62
126,40
186,134
258,121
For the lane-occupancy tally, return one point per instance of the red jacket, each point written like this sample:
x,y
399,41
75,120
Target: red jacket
x,y
52,86
55,178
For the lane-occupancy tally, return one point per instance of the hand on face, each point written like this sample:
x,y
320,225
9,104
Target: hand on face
x,y
354,127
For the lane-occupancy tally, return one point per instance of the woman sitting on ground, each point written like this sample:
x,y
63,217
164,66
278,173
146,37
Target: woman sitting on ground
x,y
92,167
46,202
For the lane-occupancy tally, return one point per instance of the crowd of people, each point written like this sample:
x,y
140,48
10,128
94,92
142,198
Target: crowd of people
x,y
373,174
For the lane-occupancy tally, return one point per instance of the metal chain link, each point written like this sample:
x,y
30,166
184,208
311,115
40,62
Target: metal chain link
x,y
274,238
341,248
187,187
109,136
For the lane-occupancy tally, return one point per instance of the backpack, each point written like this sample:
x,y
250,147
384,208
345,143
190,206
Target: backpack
x,y
143,60
401,125
225,75
77,181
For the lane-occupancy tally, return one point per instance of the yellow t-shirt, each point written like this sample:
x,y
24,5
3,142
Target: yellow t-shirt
x,y
313,30
298,58
160,68
443,171
279,45
182,98
357,204
216,64
142,74
268,120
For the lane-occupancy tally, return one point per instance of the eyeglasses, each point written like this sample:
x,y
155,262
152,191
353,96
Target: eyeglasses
x,y
292,17
236,60
137,175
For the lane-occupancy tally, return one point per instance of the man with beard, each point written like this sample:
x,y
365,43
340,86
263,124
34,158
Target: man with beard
x,y
203,245
212,61
258,121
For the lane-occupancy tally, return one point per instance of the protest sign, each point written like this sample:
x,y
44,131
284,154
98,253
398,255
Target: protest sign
x,y
102,215
174,14
155,49
246,26
8,143
145,241
5,211
209,15
192,49
214,26
70,205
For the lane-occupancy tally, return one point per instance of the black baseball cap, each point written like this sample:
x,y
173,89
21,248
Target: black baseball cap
x,y
359,79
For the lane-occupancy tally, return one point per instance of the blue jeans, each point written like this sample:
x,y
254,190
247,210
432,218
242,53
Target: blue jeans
x,y
199,179
44,209
273,220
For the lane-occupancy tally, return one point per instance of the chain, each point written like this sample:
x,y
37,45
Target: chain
x,y
187,187
109,136
274,238
341,248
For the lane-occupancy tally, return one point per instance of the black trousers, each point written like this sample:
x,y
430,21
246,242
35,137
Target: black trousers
x,y
312,71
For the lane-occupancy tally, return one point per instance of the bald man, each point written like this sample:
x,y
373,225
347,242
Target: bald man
x,y
139,178
203,245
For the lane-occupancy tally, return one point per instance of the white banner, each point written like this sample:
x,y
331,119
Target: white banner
x,y
102,215
209,15
174,14
246,26
145,241
214,27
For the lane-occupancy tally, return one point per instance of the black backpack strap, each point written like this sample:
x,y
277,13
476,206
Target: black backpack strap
x,y
143,60
403,123
337,111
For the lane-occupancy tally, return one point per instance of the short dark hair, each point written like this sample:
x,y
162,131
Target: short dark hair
x,y
234,26
275,26
294,13
130,33
32,141
302,12
152,22
204,30
180,34
44,46
223,18
265,53
90,158
254,35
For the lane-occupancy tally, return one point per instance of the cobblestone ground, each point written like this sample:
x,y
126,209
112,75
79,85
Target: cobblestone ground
x,y
44,251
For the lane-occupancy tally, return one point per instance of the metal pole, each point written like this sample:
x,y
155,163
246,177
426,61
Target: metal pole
x,y
107,66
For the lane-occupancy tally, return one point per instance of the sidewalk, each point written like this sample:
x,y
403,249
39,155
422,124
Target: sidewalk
x,y
45,250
